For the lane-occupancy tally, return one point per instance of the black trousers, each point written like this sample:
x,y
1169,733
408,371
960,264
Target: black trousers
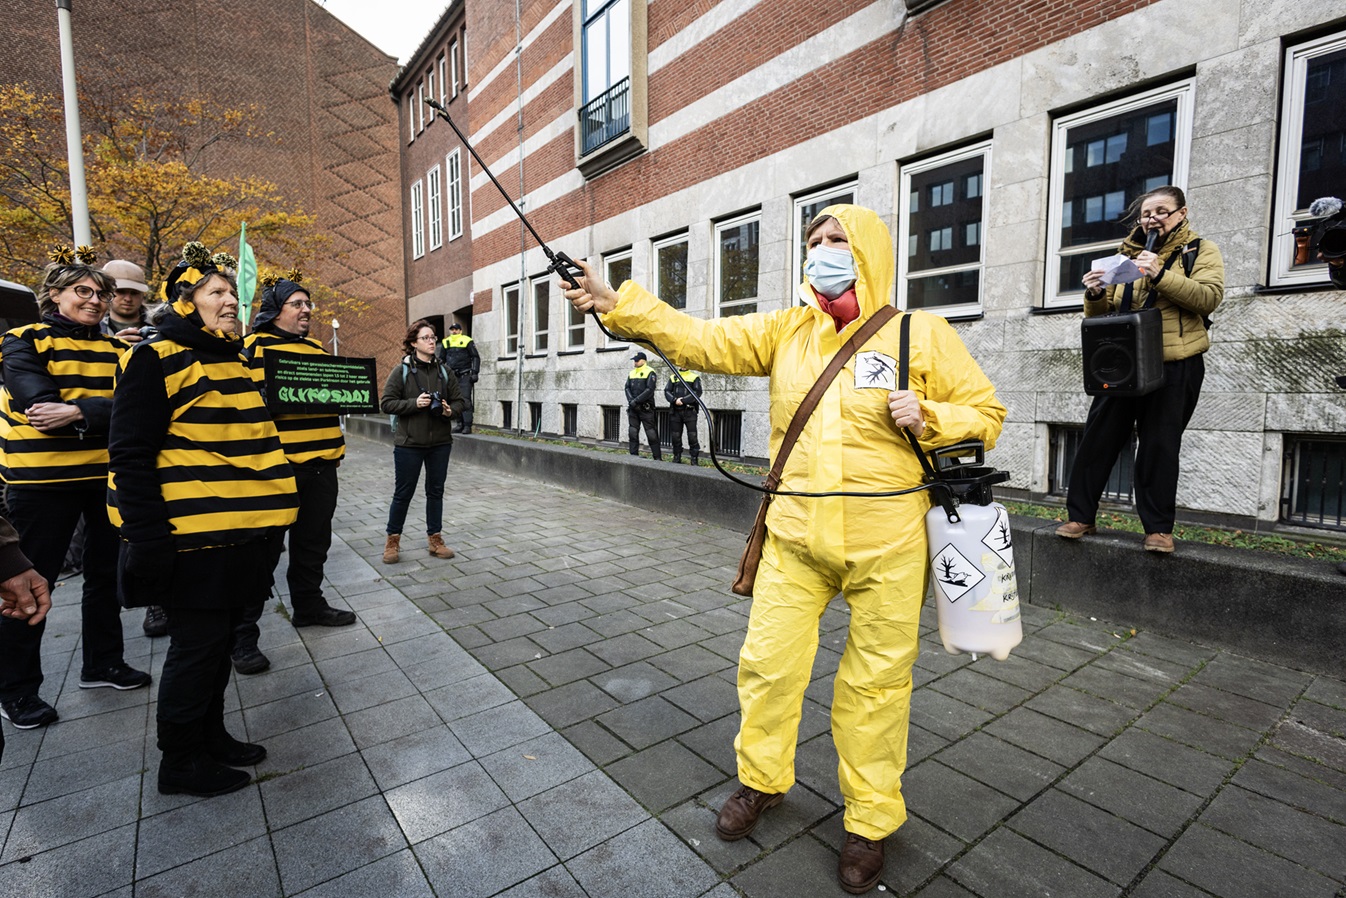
x,y
680,416
1159,419
310,538
46,518
635,419
197,666
465,386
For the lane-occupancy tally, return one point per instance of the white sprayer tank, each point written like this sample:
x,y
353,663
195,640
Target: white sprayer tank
x,y
972,566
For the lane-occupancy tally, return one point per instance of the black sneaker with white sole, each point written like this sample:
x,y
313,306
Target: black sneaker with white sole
x,y
118,676
28,712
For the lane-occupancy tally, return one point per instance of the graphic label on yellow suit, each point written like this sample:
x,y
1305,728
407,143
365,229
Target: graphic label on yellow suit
x,y
956,575
875,370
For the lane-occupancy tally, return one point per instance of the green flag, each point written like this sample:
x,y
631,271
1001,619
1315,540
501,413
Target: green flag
x,y
247,276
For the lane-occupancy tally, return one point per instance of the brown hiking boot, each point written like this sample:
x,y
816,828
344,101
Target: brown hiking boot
x,y
391,549
741,811
1074,530
860,864
1158,542
437,547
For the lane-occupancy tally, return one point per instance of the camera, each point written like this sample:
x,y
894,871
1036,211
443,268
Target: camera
x,y
436,403
1323,235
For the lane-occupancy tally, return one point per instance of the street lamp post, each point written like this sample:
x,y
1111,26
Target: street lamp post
x,y
74,138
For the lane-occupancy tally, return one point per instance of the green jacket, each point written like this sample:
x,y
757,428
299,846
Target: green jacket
x,y
1184,301
419,427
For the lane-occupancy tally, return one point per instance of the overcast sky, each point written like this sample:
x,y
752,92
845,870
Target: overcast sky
x,y
396,27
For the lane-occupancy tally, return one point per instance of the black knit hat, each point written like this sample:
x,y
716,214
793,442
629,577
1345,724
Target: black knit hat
x,y
276,291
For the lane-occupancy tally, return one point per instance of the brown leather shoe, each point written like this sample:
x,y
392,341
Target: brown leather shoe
x,y
1159,542
391,548
860,865
437,547
741,811
1074,530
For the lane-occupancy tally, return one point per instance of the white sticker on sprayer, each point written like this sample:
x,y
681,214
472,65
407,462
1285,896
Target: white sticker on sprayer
x,y
999,539
874,370
955,574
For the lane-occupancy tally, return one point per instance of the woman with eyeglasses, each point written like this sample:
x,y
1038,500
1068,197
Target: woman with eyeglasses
x,y
423,394
55,408
1183,277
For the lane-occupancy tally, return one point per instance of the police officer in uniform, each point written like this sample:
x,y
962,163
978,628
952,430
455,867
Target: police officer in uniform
x,y
682,410
640,386
459,352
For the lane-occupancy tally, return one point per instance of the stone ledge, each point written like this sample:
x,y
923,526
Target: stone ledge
x,y
1288,611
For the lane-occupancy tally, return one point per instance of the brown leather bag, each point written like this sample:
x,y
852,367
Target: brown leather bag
x,y
752,552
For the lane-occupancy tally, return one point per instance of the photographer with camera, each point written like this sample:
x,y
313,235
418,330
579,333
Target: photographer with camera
x,y
1324,237
424,396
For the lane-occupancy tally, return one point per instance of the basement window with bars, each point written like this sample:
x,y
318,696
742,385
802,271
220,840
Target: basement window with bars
x,y
506,414
1065,443
612,423
1313,492
728,431
570,419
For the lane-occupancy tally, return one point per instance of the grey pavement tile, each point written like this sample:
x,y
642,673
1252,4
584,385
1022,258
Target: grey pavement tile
x,y
953,801
566,667
443,670
248,868
1145,667
75,869
1253,679
981,691
1158,884
815,766
559,616
554,882
1000,765
315,790
456,618
516,582
915,853
273,718
1124,690
694,822
1133,796
1022,672
73,772
581,813
59,821
395,608
22,746
615,623
595,742
305,747
1290,787
663,775
1093,636
437,803
414,756
469,697
720,621
1009,866
561,594
571,703
563,637
624,649
389,721
338,642
335,843
1295,835
1045,736
469,637
943,887
622,866
503,628
405,629
921,744
534,766
1232,869
1323,718
727,646
491,730
647,721
397,876
804,867
1178,765
1097,715
521,681
945,716
1054,654
12,782
1199,731
68,737
1328,691
1093,838
710,698
632,682
376,689
455,863
195,831
714,742
800,812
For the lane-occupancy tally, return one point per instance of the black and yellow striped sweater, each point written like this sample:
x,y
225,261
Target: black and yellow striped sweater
x,y
56,360
193,452
305,438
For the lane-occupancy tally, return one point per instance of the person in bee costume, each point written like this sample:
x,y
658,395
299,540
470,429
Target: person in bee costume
x,y
199,484
54,412
872,550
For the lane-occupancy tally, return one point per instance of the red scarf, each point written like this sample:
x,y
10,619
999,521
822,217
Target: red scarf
x,y
844,309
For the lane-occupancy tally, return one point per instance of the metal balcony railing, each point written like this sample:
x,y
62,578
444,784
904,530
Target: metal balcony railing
x,y
605,117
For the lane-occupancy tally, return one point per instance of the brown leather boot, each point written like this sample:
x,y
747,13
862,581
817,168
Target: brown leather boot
x,y
741,811
437,547
860,864
391,549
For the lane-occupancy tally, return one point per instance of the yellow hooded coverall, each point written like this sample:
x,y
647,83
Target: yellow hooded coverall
x,y
872,550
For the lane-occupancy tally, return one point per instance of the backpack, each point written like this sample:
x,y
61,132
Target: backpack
x,y
404,367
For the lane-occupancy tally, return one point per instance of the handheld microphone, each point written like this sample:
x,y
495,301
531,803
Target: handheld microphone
x,y
1151,238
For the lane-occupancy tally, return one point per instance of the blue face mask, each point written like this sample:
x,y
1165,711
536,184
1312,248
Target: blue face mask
x,y
830,271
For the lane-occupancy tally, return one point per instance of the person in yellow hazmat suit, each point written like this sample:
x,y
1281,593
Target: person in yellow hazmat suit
x,y
872,550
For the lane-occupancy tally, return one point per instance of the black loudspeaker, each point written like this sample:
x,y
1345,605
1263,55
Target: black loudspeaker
x,y
1123,353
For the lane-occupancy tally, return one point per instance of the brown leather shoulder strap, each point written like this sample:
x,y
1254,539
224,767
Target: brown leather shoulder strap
x,y
852,346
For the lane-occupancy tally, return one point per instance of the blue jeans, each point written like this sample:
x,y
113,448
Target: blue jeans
x,y
407,462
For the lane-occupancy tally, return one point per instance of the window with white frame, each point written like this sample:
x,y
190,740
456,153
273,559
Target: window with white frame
x,y
453,172
411,118
453,72
940,228
616,269
737,242
807,208
442,82
430,91
436,216
669,278
1103,159
574,327
417,222
541,314
1312,151
420,106
606,58
462,50
509,298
